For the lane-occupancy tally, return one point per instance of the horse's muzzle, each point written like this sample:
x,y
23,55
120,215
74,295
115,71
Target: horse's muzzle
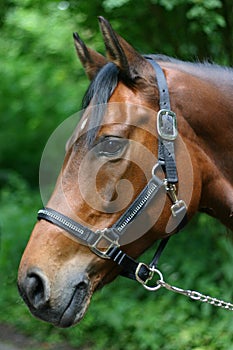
x,y
63,307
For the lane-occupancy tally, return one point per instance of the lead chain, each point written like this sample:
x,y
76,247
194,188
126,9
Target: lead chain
x,y
192,294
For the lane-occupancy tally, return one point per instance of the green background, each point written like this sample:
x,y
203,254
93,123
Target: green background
x,y
42,83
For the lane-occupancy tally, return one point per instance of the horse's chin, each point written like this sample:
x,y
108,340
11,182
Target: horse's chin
x,y
72,314
78,303
75,310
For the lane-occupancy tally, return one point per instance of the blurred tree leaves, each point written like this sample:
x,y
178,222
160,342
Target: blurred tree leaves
x,y
39,82
42,82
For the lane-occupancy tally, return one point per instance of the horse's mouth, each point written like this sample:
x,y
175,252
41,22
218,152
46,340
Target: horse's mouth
x,y
76,307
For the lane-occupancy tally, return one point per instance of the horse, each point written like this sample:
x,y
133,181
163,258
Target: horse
x,y
152,148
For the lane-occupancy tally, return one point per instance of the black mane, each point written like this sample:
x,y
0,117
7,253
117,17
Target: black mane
x,y
98,94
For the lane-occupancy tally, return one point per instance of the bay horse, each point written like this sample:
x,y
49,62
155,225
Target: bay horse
x,y
153,147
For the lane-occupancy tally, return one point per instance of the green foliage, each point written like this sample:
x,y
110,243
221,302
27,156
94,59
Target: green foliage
x,y
39,75
205,14
109,5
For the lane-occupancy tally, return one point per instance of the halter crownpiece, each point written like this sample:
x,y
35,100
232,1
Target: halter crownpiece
x,y
109,238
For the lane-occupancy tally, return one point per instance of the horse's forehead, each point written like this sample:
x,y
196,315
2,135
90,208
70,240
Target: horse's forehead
x,y
127,107
122,93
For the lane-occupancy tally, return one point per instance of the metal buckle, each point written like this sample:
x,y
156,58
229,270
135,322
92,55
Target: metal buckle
x,y
167,125
105,236
178,207
156,168
159,283
137,272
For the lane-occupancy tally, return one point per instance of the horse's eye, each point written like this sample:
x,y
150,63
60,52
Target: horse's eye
x,y
111,146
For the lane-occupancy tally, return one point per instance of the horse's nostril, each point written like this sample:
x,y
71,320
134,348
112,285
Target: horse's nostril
x,y
36,289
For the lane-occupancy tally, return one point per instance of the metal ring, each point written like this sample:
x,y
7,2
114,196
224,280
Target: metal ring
x,y
158,285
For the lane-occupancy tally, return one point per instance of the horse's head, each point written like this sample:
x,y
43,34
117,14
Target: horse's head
x,y
109,161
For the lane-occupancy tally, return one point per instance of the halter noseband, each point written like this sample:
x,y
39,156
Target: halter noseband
x,y
167,130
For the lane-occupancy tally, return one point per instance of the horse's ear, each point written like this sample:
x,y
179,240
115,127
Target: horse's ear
x,y
91,60
126,58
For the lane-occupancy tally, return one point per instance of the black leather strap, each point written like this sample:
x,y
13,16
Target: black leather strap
x,y
131,268
164,99
78,231
166,152
159,251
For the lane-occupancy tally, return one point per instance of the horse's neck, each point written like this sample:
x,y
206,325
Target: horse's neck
x,y
212,122
208,126
217,144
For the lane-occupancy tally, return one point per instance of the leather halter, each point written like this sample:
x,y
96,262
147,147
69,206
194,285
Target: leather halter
x,y
167,130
